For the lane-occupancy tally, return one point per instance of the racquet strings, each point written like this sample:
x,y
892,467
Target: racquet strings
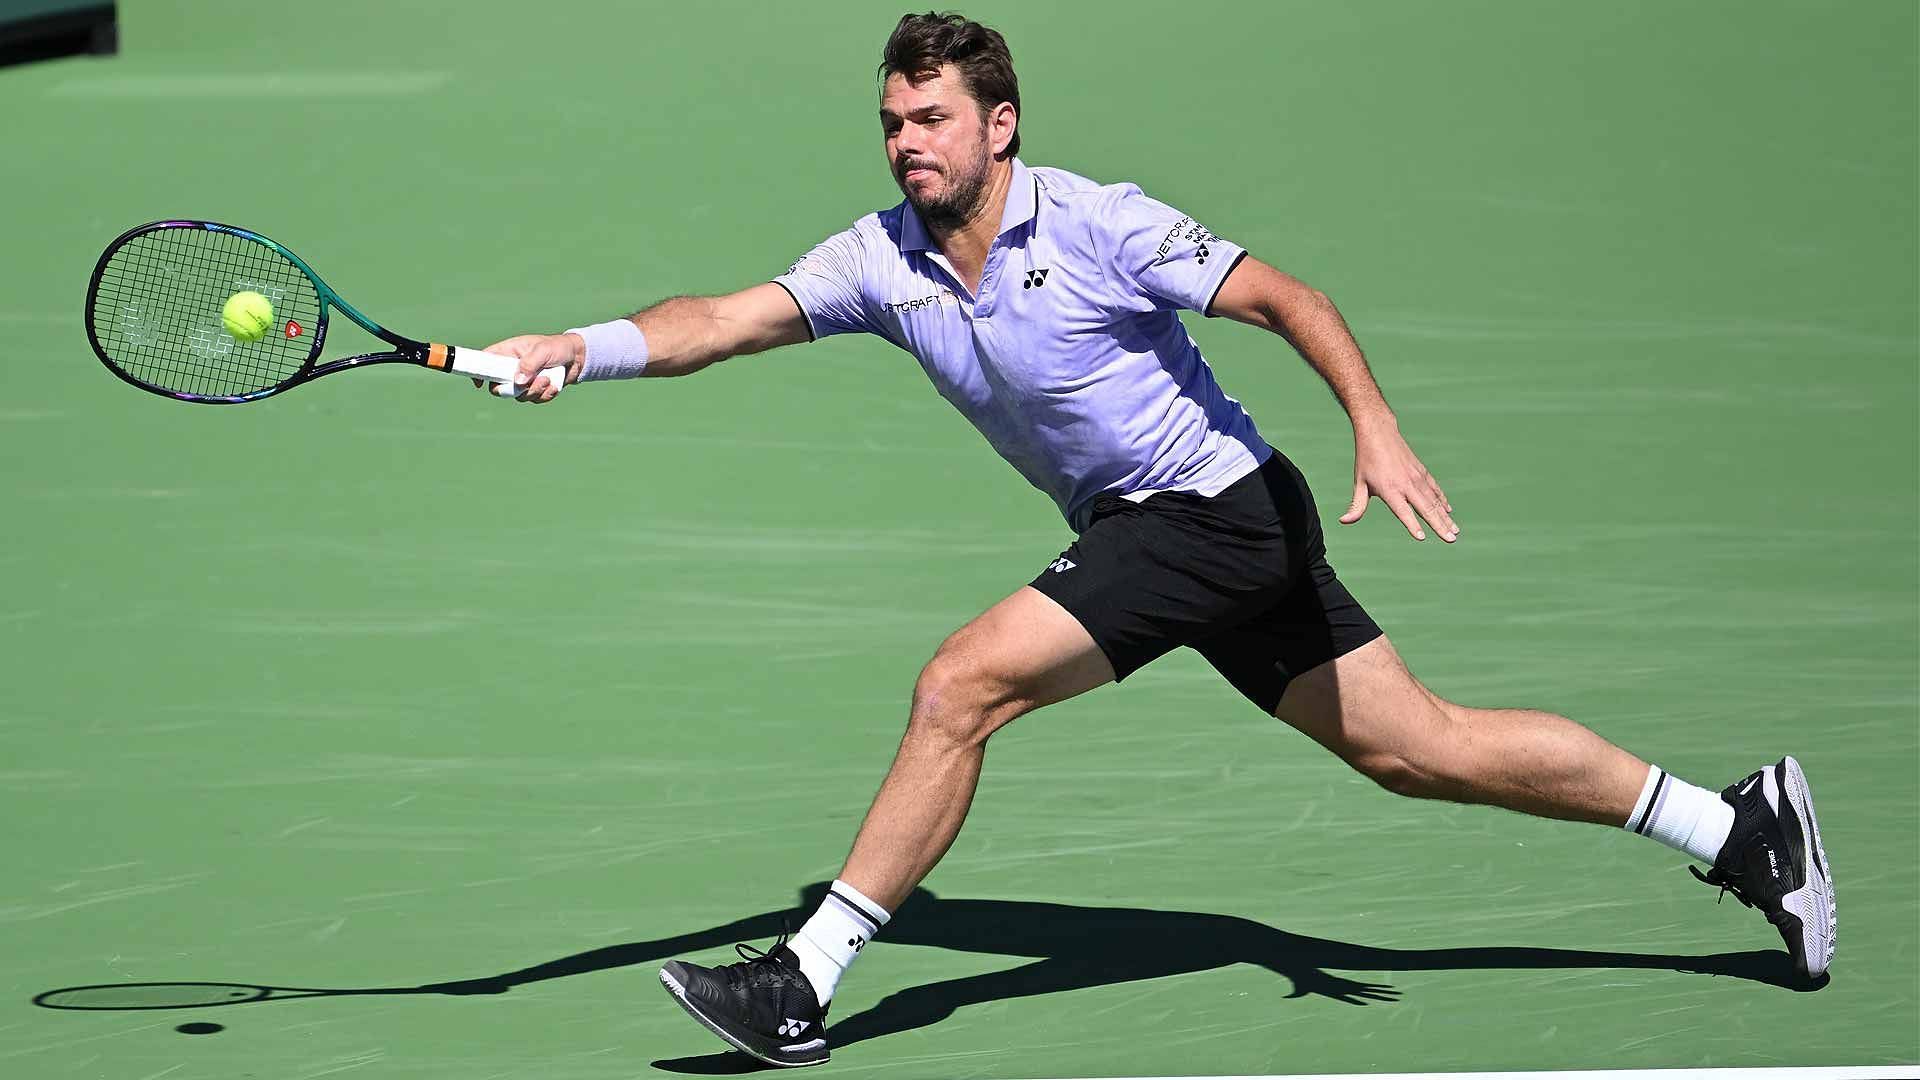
x,y
156,312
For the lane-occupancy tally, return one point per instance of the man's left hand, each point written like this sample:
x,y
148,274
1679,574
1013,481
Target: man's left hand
x,y
1385,467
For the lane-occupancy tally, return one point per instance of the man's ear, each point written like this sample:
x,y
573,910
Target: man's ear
x,y
1002,123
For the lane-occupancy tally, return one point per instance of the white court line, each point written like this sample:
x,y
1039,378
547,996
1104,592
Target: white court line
x,y
1818,1072
319,84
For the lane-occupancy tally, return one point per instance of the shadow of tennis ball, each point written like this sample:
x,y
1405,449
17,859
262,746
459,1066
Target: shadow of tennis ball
x,y
199,1029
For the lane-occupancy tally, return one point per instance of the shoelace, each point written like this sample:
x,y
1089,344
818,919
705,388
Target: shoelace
x,y
1714,877
755,971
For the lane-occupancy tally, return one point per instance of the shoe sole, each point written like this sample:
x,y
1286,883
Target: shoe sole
x,y
679,994
1812,903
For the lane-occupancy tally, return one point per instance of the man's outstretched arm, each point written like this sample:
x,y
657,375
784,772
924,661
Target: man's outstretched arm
x,y
1384,466
677,336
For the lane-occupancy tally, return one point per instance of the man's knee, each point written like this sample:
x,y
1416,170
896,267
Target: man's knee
x,y
1396,772
957,701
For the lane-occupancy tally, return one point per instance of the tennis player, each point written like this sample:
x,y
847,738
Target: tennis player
x,y
1044,306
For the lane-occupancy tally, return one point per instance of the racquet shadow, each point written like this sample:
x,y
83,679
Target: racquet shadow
x,y
1066,946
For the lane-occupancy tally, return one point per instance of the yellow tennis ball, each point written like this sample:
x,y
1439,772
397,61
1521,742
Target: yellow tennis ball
x,y
247,315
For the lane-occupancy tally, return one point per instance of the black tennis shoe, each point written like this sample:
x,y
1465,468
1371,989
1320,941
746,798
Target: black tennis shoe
x,y
763,1005
1773,861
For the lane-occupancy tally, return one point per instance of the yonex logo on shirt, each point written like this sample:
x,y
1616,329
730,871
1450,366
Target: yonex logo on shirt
x,y
1035,279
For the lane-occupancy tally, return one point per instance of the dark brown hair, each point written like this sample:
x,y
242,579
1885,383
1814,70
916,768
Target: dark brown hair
x,y
920,44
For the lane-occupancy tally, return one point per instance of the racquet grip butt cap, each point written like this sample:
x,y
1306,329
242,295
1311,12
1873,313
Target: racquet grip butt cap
x,y
556,377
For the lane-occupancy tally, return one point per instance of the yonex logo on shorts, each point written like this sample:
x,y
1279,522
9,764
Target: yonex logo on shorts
x,y
1061,565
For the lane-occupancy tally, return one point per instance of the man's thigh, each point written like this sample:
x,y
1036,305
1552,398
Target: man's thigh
x,y
1364,702
1027,648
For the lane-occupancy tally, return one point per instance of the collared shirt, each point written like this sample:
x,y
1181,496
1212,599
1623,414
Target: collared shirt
x,y
1071,358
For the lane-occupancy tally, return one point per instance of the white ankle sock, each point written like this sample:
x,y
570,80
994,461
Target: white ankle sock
x,y
1681,816
828,943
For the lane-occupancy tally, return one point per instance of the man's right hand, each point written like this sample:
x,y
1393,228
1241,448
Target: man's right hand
x,y
537,352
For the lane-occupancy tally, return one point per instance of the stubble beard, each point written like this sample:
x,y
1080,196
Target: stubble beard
x,y
959,203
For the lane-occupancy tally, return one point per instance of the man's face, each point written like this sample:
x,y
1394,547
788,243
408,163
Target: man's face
x,y
937,145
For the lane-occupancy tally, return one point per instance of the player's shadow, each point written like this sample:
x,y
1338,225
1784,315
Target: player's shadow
x,y
1074,947
1067,947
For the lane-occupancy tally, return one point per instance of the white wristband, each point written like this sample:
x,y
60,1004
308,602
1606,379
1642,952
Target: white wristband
x,y
615,350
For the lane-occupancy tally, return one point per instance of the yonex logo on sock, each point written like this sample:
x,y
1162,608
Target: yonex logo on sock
x,y
856,943
791,1028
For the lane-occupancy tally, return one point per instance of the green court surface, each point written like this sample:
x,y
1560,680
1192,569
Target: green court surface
x,y
382,685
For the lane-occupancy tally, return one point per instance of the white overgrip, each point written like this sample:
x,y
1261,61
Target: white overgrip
x,y
499,370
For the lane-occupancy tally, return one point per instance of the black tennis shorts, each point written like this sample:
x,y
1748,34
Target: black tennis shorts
x,y
1241,577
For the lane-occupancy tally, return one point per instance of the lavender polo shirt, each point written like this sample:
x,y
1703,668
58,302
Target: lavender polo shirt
x,y
1071,359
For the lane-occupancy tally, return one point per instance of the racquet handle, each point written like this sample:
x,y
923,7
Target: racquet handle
x,y
497,369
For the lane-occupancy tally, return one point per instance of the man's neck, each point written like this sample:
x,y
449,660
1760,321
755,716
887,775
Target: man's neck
x,y
966,245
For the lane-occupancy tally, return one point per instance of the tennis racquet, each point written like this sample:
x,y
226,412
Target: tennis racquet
x,y
153,317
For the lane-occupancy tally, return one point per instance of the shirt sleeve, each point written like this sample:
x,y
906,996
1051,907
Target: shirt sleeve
x,y
825,283
1160,256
